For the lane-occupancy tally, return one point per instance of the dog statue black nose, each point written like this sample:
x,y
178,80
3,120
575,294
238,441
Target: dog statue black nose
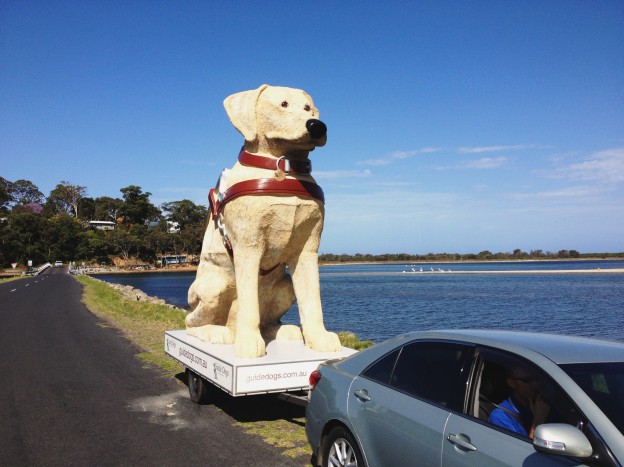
x,y
316,128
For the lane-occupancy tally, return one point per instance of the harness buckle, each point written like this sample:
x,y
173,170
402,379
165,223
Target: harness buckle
x,y
286,168
279,173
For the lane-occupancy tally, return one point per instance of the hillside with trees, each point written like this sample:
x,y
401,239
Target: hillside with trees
x,y
39,228
56,227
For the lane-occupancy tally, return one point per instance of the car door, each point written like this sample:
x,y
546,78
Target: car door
x,y
471,439
399,406
469,442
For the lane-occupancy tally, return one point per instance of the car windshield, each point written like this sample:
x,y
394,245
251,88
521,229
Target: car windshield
x,y
604,383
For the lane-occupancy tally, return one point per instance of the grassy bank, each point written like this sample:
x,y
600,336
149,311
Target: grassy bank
x,y
10,278
144,324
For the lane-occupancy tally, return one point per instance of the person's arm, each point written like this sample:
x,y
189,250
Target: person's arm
x,y
540,410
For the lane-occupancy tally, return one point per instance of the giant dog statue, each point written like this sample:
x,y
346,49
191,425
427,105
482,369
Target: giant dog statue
x,y
266,215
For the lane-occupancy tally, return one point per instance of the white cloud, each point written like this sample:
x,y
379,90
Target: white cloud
x,y
376,162
482,149
486,163
582,194
578,192
407,154
605,166
399,155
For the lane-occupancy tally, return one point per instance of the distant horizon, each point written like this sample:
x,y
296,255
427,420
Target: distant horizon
x,y
547,256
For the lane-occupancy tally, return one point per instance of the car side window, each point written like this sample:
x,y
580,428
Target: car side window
x,y
381,370
514,394
433,371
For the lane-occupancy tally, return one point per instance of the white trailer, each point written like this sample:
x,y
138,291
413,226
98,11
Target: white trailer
x,y
285,369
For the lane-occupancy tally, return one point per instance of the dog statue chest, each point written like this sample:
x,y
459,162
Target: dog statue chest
x,y
275,224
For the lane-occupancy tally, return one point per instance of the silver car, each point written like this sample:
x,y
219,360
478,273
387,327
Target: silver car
x,y
471,397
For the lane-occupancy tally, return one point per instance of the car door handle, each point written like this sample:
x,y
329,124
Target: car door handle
x,y
362,394
462,441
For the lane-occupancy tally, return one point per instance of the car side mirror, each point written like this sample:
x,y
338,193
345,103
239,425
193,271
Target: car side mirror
x,y
561,439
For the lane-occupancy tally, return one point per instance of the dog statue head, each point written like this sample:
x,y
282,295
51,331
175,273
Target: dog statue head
x,y
276,120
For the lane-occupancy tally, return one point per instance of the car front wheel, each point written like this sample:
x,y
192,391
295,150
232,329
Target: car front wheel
x,y
340,449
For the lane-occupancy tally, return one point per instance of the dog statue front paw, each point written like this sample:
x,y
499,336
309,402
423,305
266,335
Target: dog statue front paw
x,y
323,341
212,333
249,345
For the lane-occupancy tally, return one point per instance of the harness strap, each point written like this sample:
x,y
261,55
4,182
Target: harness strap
x,y
213,203
261,186
265,186
284,164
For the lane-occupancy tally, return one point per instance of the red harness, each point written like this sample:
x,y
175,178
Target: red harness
x,y
265,186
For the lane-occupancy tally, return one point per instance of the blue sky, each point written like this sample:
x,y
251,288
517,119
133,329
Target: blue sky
x,y
454,126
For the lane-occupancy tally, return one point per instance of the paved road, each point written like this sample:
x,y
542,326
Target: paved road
x,y
73,392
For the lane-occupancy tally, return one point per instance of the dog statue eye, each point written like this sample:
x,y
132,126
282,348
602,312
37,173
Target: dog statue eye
x,y
284,104
306,108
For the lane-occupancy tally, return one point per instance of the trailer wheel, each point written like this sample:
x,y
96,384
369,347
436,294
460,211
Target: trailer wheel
x,y
199,389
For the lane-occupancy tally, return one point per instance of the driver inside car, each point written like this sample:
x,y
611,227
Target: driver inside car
x,y
525,408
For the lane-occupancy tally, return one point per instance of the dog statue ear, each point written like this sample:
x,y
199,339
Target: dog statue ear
x,y
241,110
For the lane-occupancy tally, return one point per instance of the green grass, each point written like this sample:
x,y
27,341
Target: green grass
x,y
277,423
4,279
349,339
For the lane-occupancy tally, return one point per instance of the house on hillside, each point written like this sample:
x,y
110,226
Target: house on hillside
x,y
102,225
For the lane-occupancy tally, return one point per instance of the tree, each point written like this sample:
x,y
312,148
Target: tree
x,y
485,254
5,194
93,247
86,208
185,213
141,232
158,241
107,208
193,237
136,207
21,238
30,207
63,238
123,242
66,197
191,220
24,192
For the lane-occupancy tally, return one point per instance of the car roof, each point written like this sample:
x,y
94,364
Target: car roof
x,y
561,349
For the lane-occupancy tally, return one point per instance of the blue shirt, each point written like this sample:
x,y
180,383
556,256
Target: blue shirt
x,y
518,424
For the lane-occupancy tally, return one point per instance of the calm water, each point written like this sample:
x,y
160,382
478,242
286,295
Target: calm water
x,y
380,301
